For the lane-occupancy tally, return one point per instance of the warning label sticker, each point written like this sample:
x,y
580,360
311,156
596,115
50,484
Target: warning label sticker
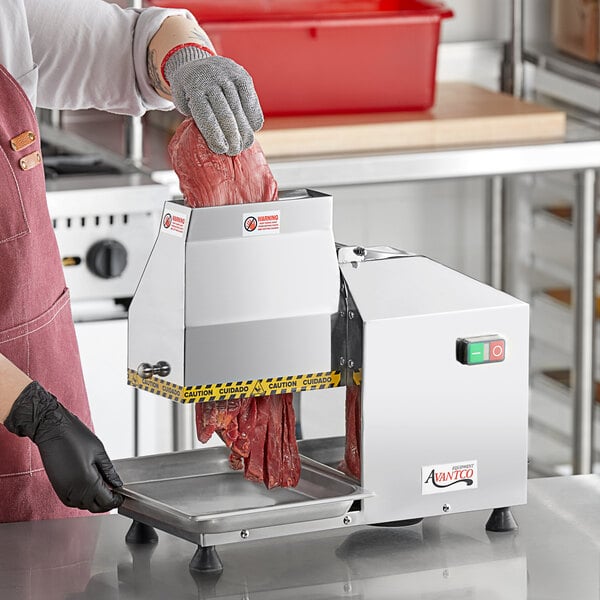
x,y
174,223
235,390
262,223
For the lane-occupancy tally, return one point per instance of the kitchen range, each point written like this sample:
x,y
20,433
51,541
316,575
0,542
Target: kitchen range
x,y
105,214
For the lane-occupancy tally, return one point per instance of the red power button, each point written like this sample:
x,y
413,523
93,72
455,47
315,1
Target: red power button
x,y
497,350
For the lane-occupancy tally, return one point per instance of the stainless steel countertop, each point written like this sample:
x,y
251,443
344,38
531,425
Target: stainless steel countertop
x,y
555,554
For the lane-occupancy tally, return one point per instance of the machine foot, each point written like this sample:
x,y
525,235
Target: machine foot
x,y
139,533
206,560
500,520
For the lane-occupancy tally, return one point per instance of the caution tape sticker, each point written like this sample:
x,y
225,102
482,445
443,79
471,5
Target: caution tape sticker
x,y
235,390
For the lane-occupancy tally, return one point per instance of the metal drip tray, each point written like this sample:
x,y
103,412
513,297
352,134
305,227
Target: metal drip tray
x,y
196,492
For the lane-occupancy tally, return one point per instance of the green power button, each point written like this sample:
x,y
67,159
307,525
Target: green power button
x,y
476,353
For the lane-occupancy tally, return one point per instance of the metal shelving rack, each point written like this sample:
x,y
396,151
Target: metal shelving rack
x,y
555,64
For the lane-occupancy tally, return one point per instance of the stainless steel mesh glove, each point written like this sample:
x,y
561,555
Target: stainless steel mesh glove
x,y
219,95
76,463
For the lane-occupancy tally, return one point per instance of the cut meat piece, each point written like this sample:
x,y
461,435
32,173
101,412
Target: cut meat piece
x,y
273,460
221,417
254,465
209,179
259,431
228,426
290,459
351,463
246,422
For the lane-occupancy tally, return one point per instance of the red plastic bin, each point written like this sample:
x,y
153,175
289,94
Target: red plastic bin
x,y
323,57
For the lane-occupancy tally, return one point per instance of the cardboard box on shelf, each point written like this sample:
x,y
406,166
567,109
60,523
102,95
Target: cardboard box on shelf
x,y
576,28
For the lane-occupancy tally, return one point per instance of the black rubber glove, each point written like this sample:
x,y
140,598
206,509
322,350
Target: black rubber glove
x,y
74,458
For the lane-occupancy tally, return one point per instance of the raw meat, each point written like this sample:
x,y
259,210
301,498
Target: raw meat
x,y
246,422
351,463
254,464
218,416
290,468
261,432
209,179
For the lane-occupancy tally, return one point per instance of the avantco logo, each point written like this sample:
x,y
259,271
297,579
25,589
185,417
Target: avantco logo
x,y
451,477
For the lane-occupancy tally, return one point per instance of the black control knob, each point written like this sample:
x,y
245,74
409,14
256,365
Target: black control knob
x,y
107,259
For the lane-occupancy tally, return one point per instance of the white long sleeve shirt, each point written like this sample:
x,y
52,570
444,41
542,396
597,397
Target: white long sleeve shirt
x,y
74,54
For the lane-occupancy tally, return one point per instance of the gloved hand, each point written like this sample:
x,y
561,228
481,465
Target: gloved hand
x,y
74,458
218,94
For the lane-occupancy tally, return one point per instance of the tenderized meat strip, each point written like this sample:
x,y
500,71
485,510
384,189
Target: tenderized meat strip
x,y
351,463
206,422
221,417
259,431
228,424
290,467
254,465
246,420
273,462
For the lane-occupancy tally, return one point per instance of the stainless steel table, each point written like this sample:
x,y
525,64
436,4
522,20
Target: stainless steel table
x,y
556,554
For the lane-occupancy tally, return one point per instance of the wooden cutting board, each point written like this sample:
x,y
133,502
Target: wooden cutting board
x,y
464,114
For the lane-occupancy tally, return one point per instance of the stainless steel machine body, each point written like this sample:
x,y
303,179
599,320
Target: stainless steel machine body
x,y
220,303
441,361
422,409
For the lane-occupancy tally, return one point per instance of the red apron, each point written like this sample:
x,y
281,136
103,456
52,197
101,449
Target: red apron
x,y
36,327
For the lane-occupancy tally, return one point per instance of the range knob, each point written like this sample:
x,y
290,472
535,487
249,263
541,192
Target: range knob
x,y
107,259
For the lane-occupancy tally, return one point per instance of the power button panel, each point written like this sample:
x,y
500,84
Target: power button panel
x,y
480,350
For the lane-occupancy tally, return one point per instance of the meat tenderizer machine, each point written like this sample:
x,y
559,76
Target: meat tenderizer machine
x,y
253,299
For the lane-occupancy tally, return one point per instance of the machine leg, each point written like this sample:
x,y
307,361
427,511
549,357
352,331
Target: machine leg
x,y
500,520
206,560
139,533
